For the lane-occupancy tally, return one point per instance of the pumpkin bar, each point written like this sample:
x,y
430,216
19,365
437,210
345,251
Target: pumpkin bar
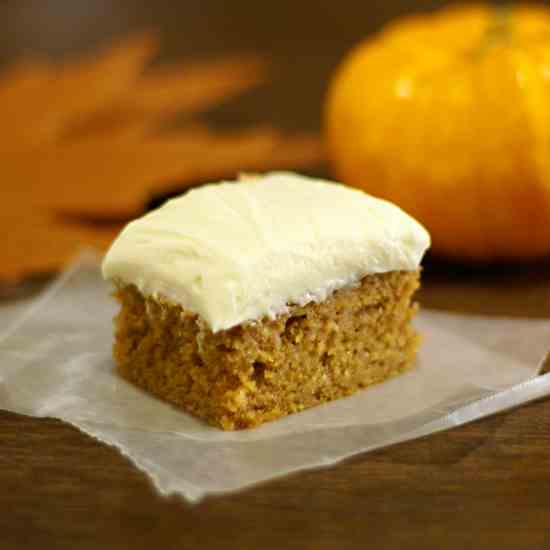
x,y
246,301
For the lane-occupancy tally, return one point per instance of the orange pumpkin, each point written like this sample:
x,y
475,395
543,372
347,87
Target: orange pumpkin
x,y
448,115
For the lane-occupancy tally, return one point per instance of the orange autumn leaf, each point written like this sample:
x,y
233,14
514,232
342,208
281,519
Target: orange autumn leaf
x,y
83,149
41,107
47,243
182,89
101,180
197,85
96,187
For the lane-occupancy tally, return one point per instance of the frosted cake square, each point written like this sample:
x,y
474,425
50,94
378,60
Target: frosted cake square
x,y
245,301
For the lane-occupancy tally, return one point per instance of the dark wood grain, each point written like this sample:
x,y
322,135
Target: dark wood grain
x,y
481,486
485,485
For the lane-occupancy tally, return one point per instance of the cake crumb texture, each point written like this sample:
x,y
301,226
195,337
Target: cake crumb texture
x,y
260,371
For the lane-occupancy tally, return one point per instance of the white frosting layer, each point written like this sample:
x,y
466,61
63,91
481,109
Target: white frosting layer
x,y
238,251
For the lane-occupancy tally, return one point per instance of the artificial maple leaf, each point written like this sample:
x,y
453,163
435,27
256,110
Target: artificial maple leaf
x,y
83,149
100,179
97,181
35,110
182,89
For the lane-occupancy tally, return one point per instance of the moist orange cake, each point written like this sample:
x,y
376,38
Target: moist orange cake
x,y
245,301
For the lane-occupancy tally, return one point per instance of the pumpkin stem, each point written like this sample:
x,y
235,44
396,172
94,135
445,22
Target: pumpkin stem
x,y
499,30
500,27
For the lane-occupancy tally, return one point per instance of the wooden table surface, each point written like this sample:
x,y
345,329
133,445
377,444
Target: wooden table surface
x,y
484,485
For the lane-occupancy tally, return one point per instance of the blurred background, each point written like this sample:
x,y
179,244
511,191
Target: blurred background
x,y
304,40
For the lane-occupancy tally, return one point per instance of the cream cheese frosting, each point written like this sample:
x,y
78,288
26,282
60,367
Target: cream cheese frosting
x,y
238,251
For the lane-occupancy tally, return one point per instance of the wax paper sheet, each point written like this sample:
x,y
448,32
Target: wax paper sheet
x,y
55,361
